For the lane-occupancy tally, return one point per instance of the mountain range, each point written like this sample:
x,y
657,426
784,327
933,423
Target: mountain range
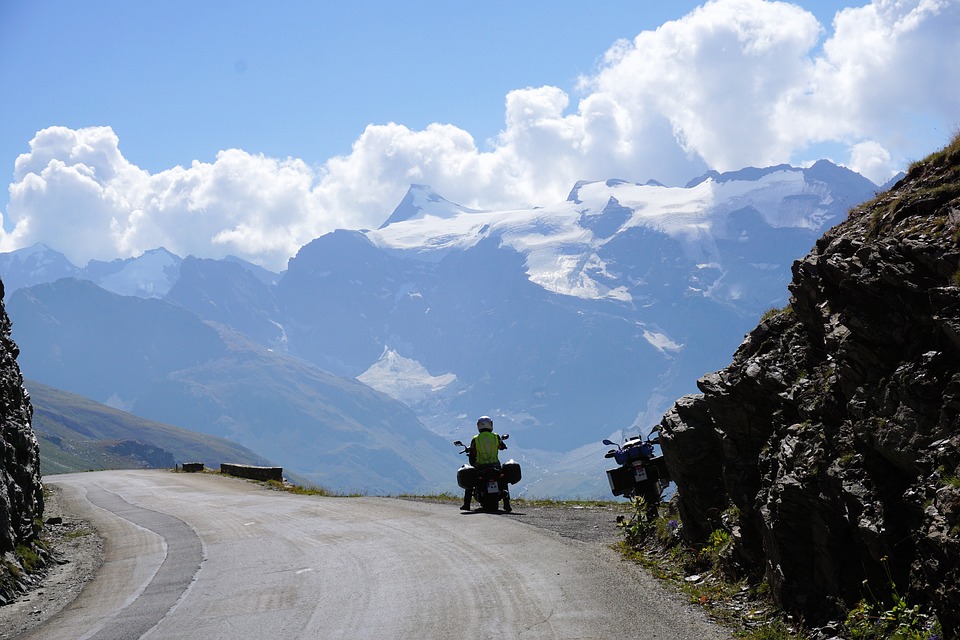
x,y
354,367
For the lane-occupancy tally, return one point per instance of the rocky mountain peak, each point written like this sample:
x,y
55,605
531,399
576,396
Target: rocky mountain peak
x,y
835,432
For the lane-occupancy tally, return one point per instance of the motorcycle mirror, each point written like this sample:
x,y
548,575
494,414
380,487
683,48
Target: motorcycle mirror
x,y
505,436
609,442
458,443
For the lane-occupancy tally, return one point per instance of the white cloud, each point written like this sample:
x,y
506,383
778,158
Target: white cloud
x,y
719,77
870,159
76,192
732,84
750,82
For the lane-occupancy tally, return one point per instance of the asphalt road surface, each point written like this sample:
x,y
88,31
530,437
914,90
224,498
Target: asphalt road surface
x,y
203,556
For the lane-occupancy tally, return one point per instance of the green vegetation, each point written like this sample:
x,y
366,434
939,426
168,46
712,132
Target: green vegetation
x,y
872,620
951,481
29,557
638,527
446,496
949,155
547,502
773,311
955,278
299,489
655,543
718,541
934,182
746,606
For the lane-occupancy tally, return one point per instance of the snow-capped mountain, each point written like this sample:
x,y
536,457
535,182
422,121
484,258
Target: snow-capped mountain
x,y
567,323
34,265
563,245
149,275
421,202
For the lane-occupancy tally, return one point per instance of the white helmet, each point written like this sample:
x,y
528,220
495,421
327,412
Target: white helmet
x,y
485,423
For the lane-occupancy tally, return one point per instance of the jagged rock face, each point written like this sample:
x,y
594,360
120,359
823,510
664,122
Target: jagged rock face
x,y
21,493
833,438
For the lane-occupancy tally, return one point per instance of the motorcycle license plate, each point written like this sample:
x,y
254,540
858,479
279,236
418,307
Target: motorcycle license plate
x,y
639,474
492,486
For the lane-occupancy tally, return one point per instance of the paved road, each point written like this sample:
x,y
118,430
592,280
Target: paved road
x,y
201,556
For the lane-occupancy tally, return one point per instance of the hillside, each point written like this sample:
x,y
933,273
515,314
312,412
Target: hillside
x,y
164,363
829,448
78,434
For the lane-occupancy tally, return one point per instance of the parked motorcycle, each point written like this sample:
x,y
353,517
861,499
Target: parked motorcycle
x,y
642,473
489,482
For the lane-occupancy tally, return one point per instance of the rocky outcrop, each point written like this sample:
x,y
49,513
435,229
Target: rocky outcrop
x,y
148,455
832,440
21,494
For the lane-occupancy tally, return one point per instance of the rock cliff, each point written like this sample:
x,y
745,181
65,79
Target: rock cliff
x,y
21,493
830,446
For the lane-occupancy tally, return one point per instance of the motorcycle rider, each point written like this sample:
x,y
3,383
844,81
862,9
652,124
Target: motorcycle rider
x,y
483,452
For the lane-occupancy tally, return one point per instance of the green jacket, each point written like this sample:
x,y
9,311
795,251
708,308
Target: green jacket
x,y
484,448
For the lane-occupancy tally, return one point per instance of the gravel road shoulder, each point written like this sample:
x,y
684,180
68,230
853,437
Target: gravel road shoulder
x,y
77,551
587,522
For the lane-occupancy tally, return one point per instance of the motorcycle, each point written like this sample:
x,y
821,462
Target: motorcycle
x,y
489,482
641,474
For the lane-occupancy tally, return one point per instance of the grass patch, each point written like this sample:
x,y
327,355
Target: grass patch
x,y
446,496
774,311
591,504
952,481
299,489
918,207
29,557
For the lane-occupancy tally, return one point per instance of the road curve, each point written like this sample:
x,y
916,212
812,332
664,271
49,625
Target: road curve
x,y
193,555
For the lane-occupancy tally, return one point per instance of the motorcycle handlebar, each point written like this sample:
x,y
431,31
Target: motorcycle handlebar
x,y
466,448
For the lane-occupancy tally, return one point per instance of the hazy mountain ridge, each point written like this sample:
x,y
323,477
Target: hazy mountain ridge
x,y
78,434
165,363
149,275
568,323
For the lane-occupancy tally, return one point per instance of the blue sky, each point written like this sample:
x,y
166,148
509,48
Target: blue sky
x,y
179,81
250,128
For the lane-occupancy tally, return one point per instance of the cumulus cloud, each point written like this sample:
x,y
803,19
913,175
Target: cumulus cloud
x,y
76,192
734,83
750,82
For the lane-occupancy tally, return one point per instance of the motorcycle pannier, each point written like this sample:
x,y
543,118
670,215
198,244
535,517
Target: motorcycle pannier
x,y
511,471
661,466
466,476
621,480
